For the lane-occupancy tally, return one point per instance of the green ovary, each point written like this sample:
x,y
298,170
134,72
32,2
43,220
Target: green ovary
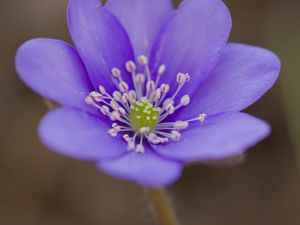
x,y
143,114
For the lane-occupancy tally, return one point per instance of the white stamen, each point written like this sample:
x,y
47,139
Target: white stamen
x,y
202,117
168,101
105,110
175,135
114,105
123,87
170,109
89,100
121,111
113,132
132,96
161,70
130,66
185,100
102,90
143,60
115,72
140,78
180,125
117,95
182,78
150,86
125,98
165,88
140,149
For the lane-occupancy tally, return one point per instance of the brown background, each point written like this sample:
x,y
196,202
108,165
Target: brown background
x,y
40,187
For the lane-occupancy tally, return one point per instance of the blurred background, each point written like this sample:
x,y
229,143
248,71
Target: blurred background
x,y
40,187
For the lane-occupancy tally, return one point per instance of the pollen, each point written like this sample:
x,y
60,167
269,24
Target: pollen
x,y
143,114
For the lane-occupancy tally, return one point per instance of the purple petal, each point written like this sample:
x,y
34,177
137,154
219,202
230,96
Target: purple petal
x,y
191,41
242,75
218,137
53,69
147,169
79,135
141,19
100,39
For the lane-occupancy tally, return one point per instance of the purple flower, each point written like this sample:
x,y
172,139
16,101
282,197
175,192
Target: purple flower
x,y
148,88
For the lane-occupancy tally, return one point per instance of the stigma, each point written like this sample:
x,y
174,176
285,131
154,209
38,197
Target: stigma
x,y
140,112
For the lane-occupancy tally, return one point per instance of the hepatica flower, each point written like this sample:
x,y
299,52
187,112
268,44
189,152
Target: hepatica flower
x,y
148,88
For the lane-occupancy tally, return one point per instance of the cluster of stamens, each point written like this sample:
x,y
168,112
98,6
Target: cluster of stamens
x,y
140,113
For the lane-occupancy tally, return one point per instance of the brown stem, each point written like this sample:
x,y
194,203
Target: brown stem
x,y
162,207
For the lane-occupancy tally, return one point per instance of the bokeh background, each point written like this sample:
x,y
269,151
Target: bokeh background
x,y
40,187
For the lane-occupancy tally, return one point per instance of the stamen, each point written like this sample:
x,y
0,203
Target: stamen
x,y
102,90
116,72
132,96
130,66
123,87
143,60
150,87
117,96
141,111
200,118
185,100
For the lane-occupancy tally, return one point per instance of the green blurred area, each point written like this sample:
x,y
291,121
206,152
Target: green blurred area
x,y
41,187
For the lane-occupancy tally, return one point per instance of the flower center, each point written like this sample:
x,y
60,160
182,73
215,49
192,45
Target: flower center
x,y
140,112
143,114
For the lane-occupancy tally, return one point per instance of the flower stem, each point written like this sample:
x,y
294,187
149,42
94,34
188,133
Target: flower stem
x,y
162,207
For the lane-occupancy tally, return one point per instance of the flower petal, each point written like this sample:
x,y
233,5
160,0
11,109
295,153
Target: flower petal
x,y
218,137
242,75
142,20
147,169
53,69
79,135
191,41
100,39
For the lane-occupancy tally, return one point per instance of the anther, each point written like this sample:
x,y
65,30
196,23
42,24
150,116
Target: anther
x,y
113,132
123,87
168,101
89,100
161,70
114,116
132,96
150,86
125,98
114,105
130,66
202,117
182,78
121,111
140,149
117,95
175,135
102,90
165,88
170,109
140,78
185,100
115,72
105,110
180,125
143,60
